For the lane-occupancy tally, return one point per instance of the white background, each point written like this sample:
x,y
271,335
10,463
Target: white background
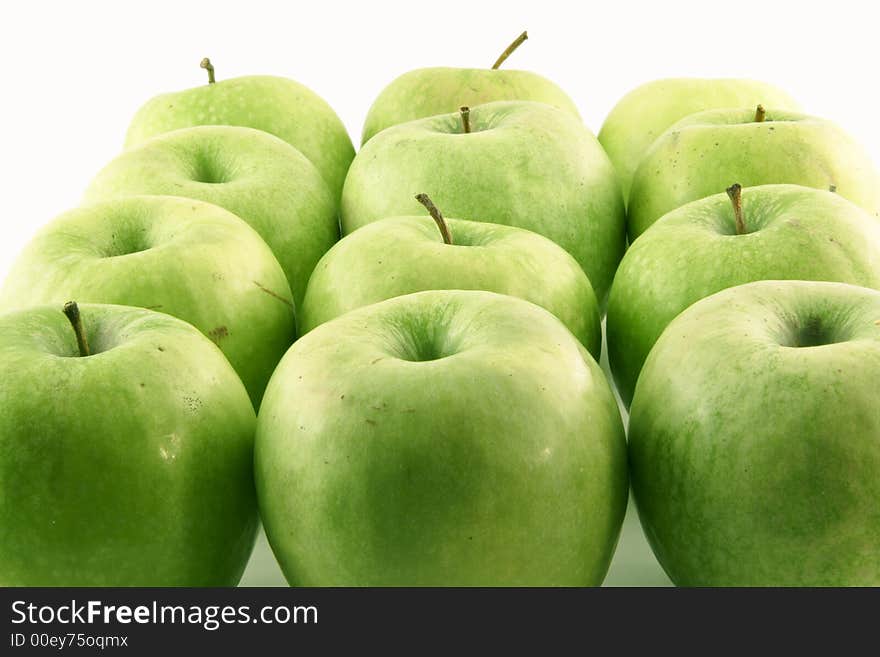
x,y
75,72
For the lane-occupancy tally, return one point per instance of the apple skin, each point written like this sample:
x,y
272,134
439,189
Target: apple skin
x,y
401,255
182,257
254,175
279,106
647,111
794,233
448,438
524,164
755,462
705,152
129,467
428,92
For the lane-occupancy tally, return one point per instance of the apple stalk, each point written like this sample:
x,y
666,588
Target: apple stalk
x,y
209,67
425,200
465,119
71,311
735,194
760,114
517,42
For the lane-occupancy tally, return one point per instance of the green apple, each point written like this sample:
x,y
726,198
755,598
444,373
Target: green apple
x,y
182,257
702,153
755,438
126,452
427,92
400,255
522,164
279,106
647,111
447,438
786,232
254,175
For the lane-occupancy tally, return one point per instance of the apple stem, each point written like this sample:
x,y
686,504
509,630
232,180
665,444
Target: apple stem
x,y
760,114
517,42
465,118
734,192
436,216
71,310
208,66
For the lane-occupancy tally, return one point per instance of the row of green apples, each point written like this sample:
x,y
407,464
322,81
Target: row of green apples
x,y
440,437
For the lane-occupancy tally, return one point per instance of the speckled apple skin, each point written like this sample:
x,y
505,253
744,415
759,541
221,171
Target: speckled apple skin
x,y
793,232
645,113
439,90
183,257
524,164
254,175
282,107
705,153
401,255
754,438
442,438
129,467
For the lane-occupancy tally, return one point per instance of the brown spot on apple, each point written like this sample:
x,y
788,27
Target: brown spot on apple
x,y
218,333
192,403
